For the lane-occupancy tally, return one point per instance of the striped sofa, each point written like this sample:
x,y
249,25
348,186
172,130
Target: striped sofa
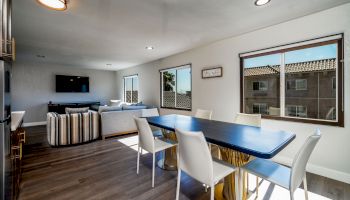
x,y
75,128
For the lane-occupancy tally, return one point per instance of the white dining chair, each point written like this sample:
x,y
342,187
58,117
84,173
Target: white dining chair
x,y
248,119
149,143
203,114
152,112
288,178
194,158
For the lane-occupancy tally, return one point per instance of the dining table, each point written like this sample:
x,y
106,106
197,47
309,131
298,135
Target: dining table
x,y
237,143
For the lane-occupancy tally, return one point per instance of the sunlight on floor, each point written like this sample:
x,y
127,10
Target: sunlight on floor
x,y
132,143
278,193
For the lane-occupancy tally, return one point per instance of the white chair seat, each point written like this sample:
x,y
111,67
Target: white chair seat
x,y
161,144
221,169
150,143
288,178
270,171
195,159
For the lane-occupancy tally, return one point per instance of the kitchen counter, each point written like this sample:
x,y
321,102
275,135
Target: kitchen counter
x,y
16,119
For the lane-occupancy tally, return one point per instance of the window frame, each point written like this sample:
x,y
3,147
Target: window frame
x,y
161,86
132,87
291,47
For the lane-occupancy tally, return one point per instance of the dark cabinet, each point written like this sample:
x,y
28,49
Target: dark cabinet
x,y
60,107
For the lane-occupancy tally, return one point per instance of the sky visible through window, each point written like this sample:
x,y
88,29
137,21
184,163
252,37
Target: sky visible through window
x,y
302,55
183,80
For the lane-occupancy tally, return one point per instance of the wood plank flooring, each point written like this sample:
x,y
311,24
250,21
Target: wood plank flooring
x,y
107,170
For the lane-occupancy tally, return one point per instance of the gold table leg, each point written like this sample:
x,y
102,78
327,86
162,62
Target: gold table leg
x,y
226,190
169,160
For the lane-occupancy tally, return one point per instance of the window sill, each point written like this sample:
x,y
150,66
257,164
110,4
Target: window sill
x,y
171,108
303,120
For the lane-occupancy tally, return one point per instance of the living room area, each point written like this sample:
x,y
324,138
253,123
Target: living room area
x,y
107,96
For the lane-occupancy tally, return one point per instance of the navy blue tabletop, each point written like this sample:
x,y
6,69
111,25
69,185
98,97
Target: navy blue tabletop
x,y
255,141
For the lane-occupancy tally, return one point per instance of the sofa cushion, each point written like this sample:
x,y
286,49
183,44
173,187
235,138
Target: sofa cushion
x,y
126,107
115,102
76,110
138,104
109,108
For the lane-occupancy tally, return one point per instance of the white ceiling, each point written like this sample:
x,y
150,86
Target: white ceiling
x,y
92,33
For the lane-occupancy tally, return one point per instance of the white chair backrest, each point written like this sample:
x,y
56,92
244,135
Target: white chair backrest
x,y
301,159
152,112
203,114
146,139
248,119
194,157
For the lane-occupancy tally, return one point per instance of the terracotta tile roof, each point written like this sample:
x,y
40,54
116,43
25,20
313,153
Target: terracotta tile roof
x,y
310,66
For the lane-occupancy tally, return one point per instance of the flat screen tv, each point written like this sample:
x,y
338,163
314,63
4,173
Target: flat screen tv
x,y
72,83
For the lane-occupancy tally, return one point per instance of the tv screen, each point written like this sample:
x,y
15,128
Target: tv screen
x,y
72,83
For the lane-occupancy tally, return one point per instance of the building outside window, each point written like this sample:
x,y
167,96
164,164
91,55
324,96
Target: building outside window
x,y
260,108
260,85
305,81
176,87
131,89
297,84
334,83
296,111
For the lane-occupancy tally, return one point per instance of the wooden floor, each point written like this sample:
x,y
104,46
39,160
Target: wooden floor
x,y
107,170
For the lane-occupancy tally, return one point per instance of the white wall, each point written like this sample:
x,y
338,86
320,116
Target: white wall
x,y
33,86
331,157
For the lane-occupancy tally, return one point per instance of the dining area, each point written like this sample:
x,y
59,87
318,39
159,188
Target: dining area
x,y
220,155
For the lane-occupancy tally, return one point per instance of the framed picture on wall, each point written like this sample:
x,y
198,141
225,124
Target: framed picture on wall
x,y
212,72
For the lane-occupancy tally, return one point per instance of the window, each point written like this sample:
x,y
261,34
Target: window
x,y
334,83
301,81
260,85
260,108
297,84
176,88
131,89
296,111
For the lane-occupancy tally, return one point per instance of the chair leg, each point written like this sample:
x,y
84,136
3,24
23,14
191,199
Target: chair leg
x,y
178,184
291,195
257,187
138,160
305,188
153,168
212,189
240,180
237,184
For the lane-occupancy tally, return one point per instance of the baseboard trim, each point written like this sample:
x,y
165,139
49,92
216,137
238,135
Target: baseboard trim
x,y
29,124
316,169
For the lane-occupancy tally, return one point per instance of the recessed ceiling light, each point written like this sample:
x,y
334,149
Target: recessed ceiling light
x,y
149,47
109,64
40,56
261,2
54,4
